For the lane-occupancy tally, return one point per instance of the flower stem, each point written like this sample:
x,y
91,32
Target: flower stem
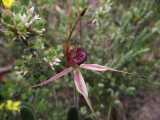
x,y
109,112
76,22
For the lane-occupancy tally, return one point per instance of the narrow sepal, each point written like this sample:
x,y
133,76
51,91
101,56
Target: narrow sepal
x,y
55,77
100,68
81,87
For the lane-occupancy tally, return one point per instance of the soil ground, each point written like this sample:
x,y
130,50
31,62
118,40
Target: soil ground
x,y
144,106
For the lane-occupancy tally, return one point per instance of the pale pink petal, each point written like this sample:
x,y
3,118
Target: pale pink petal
x,y
6,68
80,83
94,67
81,86
55,77
99,68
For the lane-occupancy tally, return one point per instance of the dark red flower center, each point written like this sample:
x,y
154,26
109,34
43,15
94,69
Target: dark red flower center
x,y
76,56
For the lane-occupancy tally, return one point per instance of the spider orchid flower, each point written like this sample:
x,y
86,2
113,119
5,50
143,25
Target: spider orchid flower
x,y
76,58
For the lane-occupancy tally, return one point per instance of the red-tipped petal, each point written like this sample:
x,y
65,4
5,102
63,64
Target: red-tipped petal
x,y
99,68
81,87
55,77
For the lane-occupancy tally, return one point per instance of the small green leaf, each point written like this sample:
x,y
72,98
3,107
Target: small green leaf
x,y
27,113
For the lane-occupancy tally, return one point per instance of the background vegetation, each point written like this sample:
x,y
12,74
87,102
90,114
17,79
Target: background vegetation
x,y
123,34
